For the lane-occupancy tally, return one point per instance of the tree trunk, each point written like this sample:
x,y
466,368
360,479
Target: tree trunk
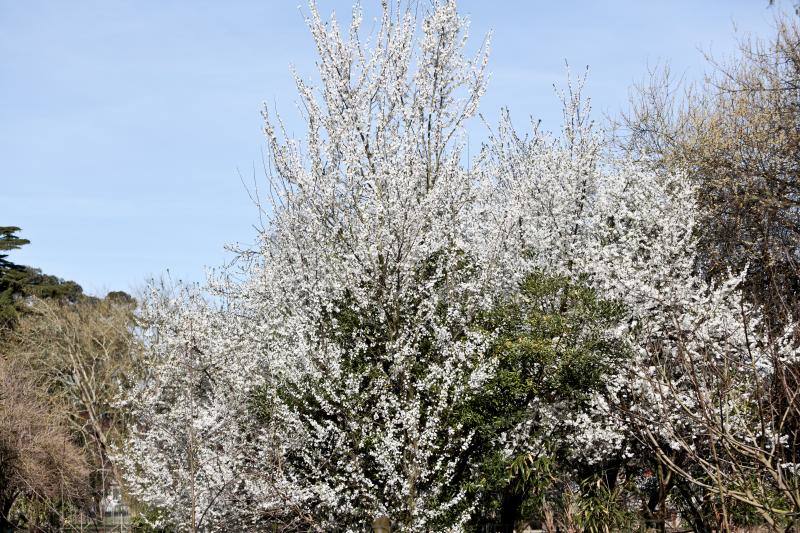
x,y
5,509
510,510
656,505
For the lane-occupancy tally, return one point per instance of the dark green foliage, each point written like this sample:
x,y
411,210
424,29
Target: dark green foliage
x,y
554,346
18,282
121,297
9,241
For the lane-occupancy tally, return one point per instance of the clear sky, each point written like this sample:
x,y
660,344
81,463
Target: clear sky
x,y
124,125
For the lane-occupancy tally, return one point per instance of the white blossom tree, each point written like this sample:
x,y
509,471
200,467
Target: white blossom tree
x,y
362,288
322,388
192,459
703,382
369,261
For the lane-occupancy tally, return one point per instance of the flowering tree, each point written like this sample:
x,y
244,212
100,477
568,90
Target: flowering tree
x,y
363,287
722,408
192,455
370,264
344,371
698,367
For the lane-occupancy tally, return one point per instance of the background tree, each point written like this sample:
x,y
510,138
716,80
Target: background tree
x,y
39,463
8,241
82,355
18,282
738,136
70,354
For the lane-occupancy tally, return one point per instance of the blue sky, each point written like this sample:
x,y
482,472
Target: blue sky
x,y
124,124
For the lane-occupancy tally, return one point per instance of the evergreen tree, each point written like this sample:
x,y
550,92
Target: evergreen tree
x,y
17,282
9,241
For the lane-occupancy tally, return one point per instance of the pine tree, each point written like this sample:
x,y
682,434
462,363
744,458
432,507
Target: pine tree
x,y
19,281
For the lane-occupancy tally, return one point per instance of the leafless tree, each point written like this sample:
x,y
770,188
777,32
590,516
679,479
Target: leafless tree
x,y
38,460
81,354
